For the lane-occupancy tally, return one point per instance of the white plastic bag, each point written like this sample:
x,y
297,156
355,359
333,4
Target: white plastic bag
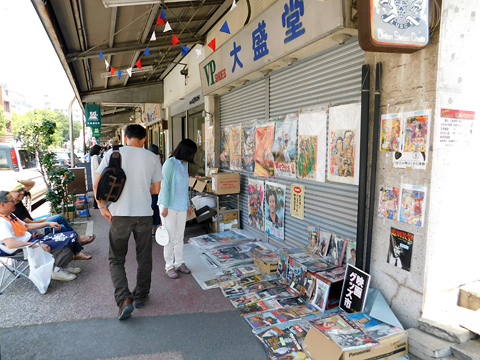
x,y
161,236
41,266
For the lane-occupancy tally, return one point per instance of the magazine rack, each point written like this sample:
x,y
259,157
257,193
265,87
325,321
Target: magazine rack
x,y
228,206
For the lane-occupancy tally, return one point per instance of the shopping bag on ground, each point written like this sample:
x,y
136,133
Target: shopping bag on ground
x,y
41,266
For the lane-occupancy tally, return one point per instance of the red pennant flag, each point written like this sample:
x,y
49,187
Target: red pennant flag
x,y
112,70
212,44
160,20
174,40
139,63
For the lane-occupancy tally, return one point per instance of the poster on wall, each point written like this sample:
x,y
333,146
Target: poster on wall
x,y
284,146
456,128
210,144
413,199
248,146
225,147
256,193
344,144
390,129
388,202
400,249
275,209
263,150
415,140
312,131
297,202
236,148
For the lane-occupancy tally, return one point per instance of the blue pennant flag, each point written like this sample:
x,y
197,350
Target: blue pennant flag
x,y
147,52
225,28
100,55
120,74
185,50
163,15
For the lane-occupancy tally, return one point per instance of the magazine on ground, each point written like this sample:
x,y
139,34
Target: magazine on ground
x,y
262,285
307,310
334,275
214,283
299,329
259,306
244,299
282,344
350,339
276,293
381,330
245,270
250,280
222,238
331,322
362,320
262,321
291,302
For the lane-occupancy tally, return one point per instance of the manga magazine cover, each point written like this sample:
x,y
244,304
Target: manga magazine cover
x,y
412,204
264,165
225,147
284,147
275,210
256,195
210,141
390,132
388,202
400,249
236,148
248,144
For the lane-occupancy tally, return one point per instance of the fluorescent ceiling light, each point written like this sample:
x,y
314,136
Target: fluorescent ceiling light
x,y
107,74
116,3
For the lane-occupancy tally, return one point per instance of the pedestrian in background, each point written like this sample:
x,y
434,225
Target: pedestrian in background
x,y
94,162
174,205
132,213
156,212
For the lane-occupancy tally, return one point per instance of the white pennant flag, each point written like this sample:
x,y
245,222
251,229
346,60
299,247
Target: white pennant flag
x,y
106,64
234,5
167,27
198,51
129,71
153,38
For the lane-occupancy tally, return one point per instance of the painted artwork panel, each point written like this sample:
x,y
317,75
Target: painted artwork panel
x,y
275,210
312,132
248,146
284,147
264,165
256,194
236,148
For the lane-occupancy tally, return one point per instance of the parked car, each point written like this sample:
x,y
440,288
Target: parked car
x,y
20,164
63,158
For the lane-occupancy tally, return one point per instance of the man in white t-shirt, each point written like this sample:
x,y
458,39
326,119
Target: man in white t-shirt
x,y
132,213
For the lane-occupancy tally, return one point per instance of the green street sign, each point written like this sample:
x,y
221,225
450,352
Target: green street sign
x,y
93,116
96,132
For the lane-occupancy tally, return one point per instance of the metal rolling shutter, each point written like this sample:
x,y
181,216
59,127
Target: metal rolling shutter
x,y
332,77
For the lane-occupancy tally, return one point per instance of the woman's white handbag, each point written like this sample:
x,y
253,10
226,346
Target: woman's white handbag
x,y
161,236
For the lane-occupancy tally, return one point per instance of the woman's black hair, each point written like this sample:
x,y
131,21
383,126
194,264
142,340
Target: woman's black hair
x,y
153,148
274,194
185,151
95,150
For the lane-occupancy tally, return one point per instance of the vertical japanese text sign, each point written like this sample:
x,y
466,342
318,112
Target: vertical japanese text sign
x,y
297,201
93,116
355,289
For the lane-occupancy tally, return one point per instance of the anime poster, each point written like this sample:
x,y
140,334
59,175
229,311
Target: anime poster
x,y
388,202
248,146
263,150
275,210
236,148
413,199
344,144
225,147
210,142
312,130
256,193
415,140
284,147
390,132
400,249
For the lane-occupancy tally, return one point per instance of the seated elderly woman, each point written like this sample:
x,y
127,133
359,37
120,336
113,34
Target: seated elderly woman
x,y
14,235
19,190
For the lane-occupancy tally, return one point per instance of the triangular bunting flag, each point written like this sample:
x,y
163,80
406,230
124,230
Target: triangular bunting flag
x,y
100,55
154,37
234,5
162,14
160,20
167,27
225,28
139,63
184,50
174,40
212,45
106,64
147,52
112,70
198,51
129,72
120,74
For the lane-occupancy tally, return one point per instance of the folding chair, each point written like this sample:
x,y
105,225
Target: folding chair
x,y
15,265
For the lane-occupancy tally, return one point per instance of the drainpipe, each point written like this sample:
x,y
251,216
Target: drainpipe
x,y
362,186
373,174
70,116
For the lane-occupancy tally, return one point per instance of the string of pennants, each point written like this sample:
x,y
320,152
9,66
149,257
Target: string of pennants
x,y
162,21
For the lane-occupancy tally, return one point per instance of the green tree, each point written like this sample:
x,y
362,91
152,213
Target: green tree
x,y
3,121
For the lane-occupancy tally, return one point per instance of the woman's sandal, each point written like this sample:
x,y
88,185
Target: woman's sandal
x,y
88,241
82,256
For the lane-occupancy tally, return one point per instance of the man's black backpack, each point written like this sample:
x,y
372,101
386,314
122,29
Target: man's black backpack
x,y
112,179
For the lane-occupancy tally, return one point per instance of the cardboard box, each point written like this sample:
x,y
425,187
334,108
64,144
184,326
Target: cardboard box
x,y
205,213
227,215
203,184
266,267
319,347
224,225
192,216
226,183
192,181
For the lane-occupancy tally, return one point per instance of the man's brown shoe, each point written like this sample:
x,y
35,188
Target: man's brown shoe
x,y
125,310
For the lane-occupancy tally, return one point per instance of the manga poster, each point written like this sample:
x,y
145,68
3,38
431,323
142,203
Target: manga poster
x,y
256,193
275,210
390,132
312,130
413,199
344,144
210,141
388,202
236,148
415,140
225,147
284,146
248,144
264,165
400,249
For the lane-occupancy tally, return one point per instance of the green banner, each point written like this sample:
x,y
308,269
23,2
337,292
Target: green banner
x,y
92,115
96,131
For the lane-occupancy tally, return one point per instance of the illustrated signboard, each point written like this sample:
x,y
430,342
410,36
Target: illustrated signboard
x,y
354,290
